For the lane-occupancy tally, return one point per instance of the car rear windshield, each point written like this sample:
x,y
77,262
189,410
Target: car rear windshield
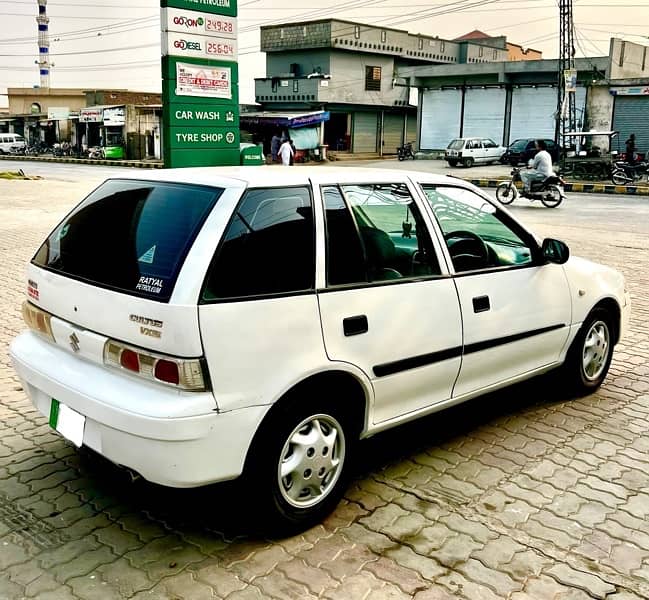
x,y
132,236
456,144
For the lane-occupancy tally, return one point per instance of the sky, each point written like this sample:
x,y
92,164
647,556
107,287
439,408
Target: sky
x,y
116,43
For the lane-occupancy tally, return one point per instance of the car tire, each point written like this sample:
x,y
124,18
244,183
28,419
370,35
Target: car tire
x,y
506,192
452,163
299,462
468,162
513,162
590,354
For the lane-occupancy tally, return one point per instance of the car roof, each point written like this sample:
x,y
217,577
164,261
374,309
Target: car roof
x,y
276,175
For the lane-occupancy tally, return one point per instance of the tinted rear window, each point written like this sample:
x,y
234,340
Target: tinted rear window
x,y
456,145
132,236
518,145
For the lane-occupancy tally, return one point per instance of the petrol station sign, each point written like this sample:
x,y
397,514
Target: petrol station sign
x,y
200,81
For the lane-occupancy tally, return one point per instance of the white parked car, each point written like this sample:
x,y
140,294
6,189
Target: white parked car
x,y
472,151
198,325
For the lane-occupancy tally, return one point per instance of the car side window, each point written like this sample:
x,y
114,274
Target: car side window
x,y
375,232
487,143
267,248
477,235
473,144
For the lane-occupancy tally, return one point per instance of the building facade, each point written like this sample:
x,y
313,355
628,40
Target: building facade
x,y
350,70
519,99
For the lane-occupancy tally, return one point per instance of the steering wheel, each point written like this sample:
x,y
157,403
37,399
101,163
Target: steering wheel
x,y
467,249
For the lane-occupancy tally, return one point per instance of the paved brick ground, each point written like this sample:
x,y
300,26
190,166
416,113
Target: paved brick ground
x,y
525,494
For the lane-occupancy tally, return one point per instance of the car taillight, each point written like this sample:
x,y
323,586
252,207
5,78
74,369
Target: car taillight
x,y
184,373
37,320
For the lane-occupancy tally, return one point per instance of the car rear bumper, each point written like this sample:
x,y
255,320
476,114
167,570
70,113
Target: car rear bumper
x,y
125,426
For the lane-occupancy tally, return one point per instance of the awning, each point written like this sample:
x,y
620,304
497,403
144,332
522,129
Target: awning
x,y
288,120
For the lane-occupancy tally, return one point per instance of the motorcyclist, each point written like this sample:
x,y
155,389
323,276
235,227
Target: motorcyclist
x,y
540,167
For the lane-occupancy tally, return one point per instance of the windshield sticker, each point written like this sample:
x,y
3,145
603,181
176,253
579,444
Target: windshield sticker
x,y
152,285
64,231
147,257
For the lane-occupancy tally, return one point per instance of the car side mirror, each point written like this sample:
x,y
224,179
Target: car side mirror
x,y
555,251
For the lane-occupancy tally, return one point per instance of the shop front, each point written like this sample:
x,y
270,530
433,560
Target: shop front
x,y
102,126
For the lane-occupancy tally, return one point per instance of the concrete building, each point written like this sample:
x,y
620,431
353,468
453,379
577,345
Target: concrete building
x,y
516,99
350,70
124,118
514,51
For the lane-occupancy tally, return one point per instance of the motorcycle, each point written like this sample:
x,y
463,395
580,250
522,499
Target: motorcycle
x,y
624,173
549,191
405,151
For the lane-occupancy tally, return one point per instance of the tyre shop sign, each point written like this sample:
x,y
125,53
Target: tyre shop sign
x,y
205,81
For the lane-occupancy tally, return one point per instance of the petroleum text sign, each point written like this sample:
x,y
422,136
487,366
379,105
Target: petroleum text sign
x,y
216,7
186,21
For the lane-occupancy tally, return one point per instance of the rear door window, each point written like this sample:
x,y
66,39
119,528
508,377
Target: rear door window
x,y
132,236
268,247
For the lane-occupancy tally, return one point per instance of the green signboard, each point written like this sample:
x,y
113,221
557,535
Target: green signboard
x,y
215,7
204,114
203,137
209,157
200,95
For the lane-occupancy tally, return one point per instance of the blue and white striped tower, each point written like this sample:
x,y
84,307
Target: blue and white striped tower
x,y
43,43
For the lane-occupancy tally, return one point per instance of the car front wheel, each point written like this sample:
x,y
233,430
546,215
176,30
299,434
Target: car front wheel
x,y
299,464
589,357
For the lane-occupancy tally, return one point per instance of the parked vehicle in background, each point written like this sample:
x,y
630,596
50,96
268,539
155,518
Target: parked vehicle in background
x,y
473,150
522,150
11,140
405,151
199,325
624,173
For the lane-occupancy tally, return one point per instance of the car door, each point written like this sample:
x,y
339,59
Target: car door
x,y
386,305
516,310
492,151
475,150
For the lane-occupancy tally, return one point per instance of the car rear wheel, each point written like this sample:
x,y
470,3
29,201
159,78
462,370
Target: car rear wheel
x,y
299,463
468,161
589,357
452,163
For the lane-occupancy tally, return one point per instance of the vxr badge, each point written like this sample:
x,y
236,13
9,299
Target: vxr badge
x,y
74,342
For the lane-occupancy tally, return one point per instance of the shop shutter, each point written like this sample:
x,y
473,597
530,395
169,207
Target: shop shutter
x,y
440,118
533,112
365,132
392,133
484,113
411,129
631,115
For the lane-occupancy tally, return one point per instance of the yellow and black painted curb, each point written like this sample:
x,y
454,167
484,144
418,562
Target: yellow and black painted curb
x,y
141,164
585,188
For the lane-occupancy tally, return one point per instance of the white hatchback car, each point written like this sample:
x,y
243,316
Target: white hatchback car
x,y
473,150
197,325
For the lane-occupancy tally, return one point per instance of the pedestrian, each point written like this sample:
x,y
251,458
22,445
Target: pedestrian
x,y
275,143
631,149
286,152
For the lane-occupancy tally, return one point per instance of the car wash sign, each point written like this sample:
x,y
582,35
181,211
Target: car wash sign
x,y
200,82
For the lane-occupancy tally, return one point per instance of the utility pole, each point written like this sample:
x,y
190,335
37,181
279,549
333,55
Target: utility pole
x,y
567,84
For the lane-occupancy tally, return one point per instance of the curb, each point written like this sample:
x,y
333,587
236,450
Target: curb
x,y
586,188
138,164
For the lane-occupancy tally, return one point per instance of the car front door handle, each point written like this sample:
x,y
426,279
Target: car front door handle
x,y
481,304
355,325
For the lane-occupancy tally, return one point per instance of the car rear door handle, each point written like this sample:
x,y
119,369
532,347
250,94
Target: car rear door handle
x,y
355,325
481,304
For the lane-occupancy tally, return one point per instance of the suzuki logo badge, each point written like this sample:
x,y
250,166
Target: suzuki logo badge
x,y
74,342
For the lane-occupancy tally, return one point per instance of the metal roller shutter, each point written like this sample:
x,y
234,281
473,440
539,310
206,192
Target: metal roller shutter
x,y
440,118
365,132
533,112
484,114
631,115
392,133
411,129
